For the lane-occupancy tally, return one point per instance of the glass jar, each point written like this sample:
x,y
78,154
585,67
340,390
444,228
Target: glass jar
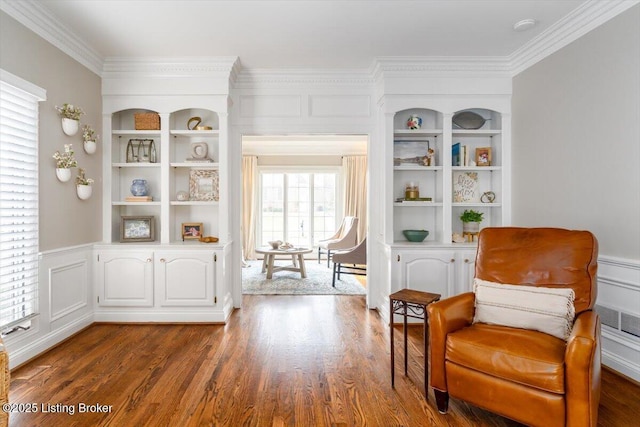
x,y
411,191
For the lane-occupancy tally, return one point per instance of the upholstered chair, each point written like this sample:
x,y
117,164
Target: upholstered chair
x,y
520,351
350,261
345,238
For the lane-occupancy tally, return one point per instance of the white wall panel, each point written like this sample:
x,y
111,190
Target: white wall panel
x,y
68,286
270,106
339,106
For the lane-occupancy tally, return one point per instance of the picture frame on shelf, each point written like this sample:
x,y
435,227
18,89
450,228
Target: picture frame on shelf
x,y
204,185
192,230
465,187
137,229
483,156
413,152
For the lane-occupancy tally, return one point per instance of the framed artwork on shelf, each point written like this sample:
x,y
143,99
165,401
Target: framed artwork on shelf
x,y
137,229
413,152
483,156
204,185
465,187
191,230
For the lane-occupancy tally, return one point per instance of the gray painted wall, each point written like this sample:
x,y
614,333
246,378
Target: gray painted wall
x,y
65,220
576,138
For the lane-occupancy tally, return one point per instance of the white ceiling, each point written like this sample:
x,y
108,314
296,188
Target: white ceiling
x,y
323,34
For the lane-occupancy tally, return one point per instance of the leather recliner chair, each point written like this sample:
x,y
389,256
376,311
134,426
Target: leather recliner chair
x,y
526,375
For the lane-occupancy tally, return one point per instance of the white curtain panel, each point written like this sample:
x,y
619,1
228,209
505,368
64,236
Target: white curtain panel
x,y
355,194
249,205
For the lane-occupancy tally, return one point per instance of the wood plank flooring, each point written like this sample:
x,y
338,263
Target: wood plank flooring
x,y
280,361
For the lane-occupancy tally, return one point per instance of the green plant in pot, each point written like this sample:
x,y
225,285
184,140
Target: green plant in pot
x,y
471,221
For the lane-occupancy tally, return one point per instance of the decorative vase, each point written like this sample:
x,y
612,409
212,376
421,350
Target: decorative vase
x,y
139,187
70,126
63,174
84,191
414,122
470,227
90,147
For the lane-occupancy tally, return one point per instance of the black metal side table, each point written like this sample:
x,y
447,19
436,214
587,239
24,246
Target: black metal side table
x,y
411,303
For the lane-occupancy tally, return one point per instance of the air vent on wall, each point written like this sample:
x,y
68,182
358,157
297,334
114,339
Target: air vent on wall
x,y
608,316
630,324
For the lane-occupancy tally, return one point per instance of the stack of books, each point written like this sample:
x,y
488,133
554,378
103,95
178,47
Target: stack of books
x,y
138,199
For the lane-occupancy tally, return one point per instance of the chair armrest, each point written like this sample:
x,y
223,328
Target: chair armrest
x,y
582,378
446,316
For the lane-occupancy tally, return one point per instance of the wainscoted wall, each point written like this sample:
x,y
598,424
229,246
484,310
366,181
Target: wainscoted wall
x,y
619,307
65,300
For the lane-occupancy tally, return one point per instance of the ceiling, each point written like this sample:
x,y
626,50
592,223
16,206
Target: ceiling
x,y
296,34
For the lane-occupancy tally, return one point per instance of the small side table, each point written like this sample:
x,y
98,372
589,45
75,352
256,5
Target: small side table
x,y
411,303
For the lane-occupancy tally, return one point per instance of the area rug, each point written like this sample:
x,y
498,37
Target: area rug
x,y
317,282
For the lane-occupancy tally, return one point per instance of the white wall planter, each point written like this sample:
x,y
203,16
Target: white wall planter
x,y
84,191
90,147
63,174
70,127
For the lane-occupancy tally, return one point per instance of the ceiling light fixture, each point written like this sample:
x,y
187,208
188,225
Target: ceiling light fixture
x,y
524,25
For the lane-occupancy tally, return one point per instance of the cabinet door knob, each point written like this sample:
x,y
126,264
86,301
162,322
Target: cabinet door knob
x,y
398,258
466,260
148,259
162,260
453,260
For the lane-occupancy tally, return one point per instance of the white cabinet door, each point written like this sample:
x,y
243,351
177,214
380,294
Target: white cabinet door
x,y
125,278
425,270
185,278
466,272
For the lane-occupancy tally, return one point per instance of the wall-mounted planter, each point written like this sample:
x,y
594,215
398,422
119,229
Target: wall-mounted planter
x,y
70,126
84,191
63,174
90,147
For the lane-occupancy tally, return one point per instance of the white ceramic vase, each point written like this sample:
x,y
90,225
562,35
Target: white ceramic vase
x,y
90,147
63,174
70,127
84,191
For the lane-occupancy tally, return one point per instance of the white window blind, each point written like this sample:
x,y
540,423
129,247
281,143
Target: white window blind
x,y
18,200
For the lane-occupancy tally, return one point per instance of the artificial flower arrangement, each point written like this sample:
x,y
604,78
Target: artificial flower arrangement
x,y
65,160
88,134
68,111
82,180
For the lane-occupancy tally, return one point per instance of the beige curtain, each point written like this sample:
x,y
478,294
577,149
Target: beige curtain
x,y
249,205
355,194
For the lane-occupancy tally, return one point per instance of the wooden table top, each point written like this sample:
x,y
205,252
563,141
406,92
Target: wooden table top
x,y
415,297
292,251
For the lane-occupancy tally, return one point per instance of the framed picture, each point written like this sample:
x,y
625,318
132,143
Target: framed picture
x,y
191,230
412,152
483,156
203,185
137,229
465,187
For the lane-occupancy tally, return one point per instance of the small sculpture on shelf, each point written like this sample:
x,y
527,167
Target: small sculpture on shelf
x,y
414,122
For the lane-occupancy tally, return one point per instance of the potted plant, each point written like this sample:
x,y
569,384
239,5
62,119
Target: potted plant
x,y
471,221
83,185
90,138
70,118
64,162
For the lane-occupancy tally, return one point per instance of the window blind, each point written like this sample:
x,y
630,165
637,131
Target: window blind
x,y
18,203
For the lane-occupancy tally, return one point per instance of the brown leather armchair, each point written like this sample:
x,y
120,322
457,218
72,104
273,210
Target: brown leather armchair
x,y
525,375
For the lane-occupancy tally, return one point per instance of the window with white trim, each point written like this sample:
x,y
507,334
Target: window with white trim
x,y
18,201
297,207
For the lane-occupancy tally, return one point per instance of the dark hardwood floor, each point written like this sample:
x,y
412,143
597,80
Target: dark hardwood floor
x,y
280,361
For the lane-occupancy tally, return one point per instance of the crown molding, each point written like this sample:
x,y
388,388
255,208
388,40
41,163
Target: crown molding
x,y
38,19
226,67
579,22
439,65
263,77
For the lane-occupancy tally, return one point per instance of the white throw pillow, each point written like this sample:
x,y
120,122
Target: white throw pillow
x,y
548,310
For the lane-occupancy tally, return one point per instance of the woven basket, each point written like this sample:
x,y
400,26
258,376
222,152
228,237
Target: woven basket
x,y
147,121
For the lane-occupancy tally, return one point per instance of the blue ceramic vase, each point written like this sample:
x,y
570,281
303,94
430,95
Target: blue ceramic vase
x,y
139,187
